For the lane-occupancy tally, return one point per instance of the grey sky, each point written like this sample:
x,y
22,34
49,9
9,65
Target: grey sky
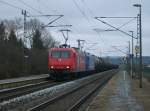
x,y
81,13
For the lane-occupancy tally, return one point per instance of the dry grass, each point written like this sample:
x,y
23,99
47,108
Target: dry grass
x,y
138,99
142,95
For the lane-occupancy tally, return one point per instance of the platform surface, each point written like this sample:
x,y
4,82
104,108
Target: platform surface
x,y
122,93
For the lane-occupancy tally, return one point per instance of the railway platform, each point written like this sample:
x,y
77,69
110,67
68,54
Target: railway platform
x,y
122,93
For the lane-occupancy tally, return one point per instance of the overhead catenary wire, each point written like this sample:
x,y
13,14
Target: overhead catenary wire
x,y
11,5
74,27
81,11
122,24
94,44
119,50
111,17
118,28
100,36
126,23
92,14
21,1
40,12
89,10
66,20
113,27
111,46
27,5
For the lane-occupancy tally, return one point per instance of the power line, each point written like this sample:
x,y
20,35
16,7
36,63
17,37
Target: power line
x,y
126,23
92,15
94,44
66,20
80,10
113,27
83,13
99,35
42,14
55,19
107,29
117,17
89,10
106,43
75,27
133,18
21,1
117,27
119,50
11,5
59,26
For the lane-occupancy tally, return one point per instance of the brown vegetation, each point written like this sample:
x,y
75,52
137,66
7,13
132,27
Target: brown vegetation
x,y
22,57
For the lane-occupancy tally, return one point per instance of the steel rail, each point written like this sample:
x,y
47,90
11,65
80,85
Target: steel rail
x,y
17,82
85,98
59,97
7,94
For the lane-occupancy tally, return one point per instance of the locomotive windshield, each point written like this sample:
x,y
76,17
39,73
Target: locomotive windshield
x,y
64,54
55,54
60,54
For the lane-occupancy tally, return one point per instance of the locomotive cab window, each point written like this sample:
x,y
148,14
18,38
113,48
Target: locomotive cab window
x,y
60,54
64,54
55,54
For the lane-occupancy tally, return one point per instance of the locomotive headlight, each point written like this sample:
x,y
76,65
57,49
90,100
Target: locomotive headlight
x,y
67,67
52,67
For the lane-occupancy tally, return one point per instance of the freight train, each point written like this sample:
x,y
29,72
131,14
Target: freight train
x,y
70,63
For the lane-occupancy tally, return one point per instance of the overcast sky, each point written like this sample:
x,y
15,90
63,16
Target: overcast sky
x,y
80,14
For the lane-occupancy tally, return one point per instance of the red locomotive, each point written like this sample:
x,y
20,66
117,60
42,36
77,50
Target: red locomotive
x,y
72,62
69,62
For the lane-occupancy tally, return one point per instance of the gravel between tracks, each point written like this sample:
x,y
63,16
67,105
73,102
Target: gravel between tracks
x,y
65,103
25,102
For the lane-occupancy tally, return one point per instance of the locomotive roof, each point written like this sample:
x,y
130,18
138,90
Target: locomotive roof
x,y
72,49
61,49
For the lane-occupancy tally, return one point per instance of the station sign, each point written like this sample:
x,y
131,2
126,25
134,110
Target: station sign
x,y
137,49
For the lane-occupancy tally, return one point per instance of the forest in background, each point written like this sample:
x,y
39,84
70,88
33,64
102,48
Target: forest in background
x,y
21,56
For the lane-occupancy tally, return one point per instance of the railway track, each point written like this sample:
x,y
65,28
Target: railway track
x,y
69,96
16,87
71,100
6,94
22,81
81,101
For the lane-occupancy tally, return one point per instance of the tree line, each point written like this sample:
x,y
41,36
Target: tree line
x,y
21,56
